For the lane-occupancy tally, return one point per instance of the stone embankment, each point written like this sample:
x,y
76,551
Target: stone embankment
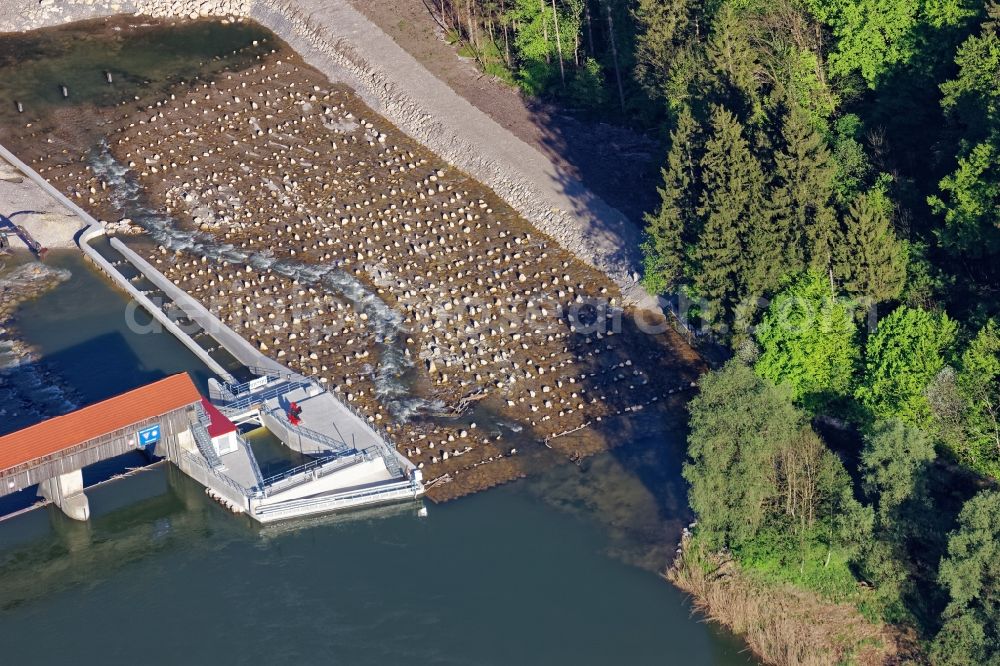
x,y
340,42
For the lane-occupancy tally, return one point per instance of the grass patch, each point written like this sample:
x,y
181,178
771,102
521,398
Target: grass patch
x,y
785,623
778,558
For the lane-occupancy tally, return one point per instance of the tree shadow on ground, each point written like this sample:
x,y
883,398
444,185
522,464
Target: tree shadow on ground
x,y
617,163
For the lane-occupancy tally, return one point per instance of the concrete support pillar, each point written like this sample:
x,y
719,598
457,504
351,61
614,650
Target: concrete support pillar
x,y
66,492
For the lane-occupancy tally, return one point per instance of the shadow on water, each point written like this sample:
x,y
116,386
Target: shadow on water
x,y
108,365
46,552
100,345
492,579
96,369
84,351
635,489
524,586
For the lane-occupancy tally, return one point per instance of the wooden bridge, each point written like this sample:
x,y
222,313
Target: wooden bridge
x,y
53,453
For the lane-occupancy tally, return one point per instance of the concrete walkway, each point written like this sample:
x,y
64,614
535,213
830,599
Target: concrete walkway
x,y
24,202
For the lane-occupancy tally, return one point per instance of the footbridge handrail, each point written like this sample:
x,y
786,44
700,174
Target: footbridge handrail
x,y
379,430
391,461
336,444
242,403
321,467
249,493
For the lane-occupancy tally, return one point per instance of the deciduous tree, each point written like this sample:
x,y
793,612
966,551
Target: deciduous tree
x,y
808,342
902,356
970,572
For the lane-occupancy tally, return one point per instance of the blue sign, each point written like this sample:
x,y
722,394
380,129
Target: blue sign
x,y
149,436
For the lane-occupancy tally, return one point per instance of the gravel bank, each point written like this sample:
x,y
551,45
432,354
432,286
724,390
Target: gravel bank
x,y
340,42
32,208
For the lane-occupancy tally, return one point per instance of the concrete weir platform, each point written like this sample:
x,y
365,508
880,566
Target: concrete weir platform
x,y
171,419
66,492
352,464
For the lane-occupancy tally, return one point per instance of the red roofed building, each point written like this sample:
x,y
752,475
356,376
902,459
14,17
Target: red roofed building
x,y
220,429
140,418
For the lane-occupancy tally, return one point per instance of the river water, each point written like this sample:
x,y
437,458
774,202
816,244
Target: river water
x,y
560,568
543,571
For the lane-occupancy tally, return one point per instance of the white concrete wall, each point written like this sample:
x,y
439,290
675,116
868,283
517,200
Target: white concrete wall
x,y
225,444
66,492
364,472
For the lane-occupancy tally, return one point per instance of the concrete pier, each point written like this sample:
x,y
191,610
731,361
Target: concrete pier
x,y
66,492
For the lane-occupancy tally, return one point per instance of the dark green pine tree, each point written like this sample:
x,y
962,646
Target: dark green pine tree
x,y
675,224
764,262
802,195
731,206
736,64
869,260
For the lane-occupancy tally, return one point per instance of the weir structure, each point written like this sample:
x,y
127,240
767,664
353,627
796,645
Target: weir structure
x,y
53,453
352,462
170,419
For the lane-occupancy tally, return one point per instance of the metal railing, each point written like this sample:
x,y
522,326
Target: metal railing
x,y
199,463
300,469
227,392
378,430
312,470
204,443
309,433
287,375
253,462
243,403
203,417
385,441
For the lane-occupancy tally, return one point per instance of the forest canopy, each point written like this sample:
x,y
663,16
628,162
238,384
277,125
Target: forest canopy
x,y
830,208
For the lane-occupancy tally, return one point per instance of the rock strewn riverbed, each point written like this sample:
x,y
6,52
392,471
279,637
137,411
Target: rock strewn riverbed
x,y
343,44
280,164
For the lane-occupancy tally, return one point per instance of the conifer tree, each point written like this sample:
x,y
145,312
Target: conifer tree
x,y
666,30
731,204
675,223
802,196
869,261
735,62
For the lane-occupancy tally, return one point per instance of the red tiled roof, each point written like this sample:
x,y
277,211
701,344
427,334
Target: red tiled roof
x,y
63,432
220,425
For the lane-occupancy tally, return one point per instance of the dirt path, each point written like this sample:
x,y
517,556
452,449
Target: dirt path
x,y
578,147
